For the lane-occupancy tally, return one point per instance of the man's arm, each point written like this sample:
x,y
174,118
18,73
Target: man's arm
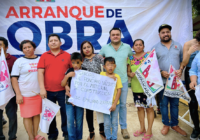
x,y
187,51
130,53
102,53
193,73
43,92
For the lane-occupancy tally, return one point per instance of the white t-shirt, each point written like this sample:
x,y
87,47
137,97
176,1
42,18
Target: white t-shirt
x,y
26,70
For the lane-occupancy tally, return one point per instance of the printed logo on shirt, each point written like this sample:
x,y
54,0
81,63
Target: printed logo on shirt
x,y
63,60
175,47
33,67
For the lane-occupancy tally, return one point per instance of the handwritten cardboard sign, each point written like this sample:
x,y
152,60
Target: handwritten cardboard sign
x,y
92,91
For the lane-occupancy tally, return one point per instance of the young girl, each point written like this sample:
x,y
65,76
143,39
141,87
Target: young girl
x,y
139,96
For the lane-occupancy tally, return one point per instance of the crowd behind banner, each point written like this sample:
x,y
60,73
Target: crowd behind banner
x,y
50,76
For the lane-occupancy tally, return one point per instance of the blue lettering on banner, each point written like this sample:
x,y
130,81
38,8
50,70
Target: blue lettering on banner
x,y
108,11
94,38
37,36
66,30
127,37
15,26
118,12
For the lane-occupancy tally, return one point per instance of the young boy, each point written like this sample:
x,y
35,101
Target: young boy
x,y
74,113
111,121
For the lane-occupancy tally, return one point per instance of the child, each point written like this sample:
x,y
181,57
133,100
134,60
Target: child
x,y
74,113
111,121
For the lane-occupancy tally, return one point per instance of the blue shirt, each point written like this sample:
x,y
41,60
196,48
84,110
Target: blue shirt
x,y
191,58
195,67
120,56
166,57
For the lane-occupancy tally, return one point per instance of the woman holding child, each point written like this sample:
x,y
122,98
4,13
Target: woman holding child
x,y
25,83
140,99
92,62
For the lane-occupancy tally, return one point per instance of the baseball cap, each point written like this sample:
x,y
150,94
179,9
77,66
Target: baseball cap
x,y
164,26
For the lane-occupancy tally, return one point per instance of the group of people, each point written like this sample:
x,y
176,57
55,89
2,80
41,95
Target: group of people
x,y
49,76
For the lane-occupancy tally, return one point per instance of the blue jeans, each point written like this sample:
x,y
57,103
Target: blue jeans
x,y
74,121
111,121
174,103
11,112
122,108
60,97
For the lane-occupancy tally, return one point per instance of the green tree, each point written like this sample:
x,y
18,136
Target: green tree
x,y
195,11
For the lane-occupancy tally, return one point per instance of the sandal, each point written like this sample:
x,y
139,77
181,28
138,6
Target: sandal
x,y
91,136
138,133
38,137
103,136
147,136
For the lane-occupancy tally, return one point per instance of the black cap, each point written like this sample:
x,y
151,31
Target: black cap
x,y
164,26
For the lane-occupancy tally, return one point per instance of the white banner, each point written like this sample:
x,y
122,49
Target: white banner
x,y
49,111
92,91
148,74
174,86
78,20
6,90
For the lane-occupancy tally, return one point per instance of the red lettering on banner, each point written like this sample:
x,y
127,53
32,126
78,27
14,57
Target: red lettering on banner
x,y
75,16
49,9
97,11
91,12
24,13
74,12
12,12
59,10
34,13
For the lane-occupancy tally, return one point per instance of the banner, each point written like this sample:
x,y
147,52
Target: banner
x,y
92,91
174,87
78,20
49,111
6,90
148,74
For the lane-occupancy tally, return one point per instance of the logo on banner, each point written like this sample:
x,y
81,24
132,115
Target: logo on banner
x,y
48,114
4,77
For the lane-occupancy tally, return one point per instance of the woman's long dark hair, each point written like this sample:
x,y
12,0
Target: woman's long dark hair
x,y
83,55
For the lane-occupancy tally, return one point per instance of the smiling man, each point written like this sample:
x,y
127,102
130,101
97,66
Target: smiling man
x,y
120,52
51,70
168,53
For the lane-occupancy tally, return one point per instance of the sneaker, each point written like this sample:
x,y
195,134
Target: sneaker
x,y
179,130
194,135
125,134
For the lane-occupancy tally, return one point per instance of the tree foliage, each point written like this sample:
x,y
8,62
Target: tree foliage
x,y
196,7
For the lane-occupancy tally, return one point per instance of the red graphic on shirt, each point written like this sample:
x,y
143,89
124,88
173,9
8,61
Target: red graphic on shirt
x,y
33,67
